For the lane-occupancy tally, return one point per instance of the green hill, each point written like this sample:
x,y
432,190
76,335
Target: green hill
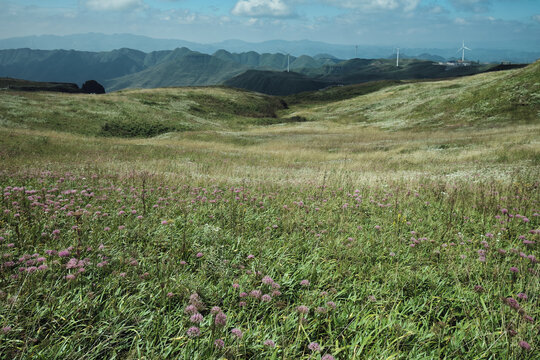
x,y
275,82
483,100
189,70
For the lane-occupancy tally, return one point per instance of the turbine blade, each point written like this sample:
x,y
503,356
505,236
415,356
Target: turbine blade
x,y
466,48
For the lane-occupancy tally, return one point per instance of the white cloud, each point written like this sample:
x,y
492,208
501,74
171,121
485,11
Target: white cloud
x,y
371,5
471,5
460,21
262,8
112,5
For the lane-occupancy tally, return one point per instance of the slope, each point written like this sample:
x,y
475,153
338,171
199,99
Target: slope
x,y
275,82
483,100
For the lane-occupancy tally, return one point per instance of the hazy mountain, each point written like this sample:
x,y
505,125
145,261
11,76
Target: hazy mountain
x,y
188,70
123,68
96,42
127,68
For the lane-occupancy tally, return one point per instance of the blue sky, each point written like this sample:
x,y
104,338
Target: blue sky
x,y
512,24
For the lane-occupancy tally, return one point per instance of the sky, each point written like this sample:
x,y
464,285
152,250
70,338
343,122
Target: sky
x,y
506,24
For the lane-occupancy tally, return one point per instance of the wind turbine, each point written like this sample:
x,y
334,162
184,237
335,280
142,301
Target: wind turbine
x,y
288,59
463,48
397,56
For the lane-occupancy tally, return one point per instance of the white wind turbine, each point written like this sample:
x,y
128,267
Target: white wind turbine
x,y
397,56
463,48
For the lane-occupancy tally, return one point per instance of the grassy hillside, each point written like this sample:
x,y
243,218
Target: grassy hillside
x,y
275,82
25,85
491,99
171,109
368,232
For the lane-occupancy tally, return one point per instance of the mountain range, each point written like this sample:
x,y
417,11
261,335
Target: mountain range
x,y
96,42
265,73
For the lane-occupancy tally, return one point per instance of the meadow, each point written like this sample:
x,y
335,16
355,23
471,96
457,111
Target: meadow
x,y
390,221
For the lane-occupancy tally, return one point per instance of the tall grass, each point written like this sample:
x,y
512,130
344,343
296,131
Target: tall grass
x,y
313,240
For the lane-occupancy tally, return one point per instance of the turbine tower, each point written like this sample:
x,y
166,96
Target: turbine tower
x,y
463,48
397,56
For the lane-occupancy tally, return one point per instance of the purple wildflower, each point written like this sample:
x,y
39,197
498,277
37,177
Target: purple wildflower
x,y
237,332
522,296
215,310
314,347
328,357
304,282
267,280
525,345
302,309
221,319
269,343
194,332
219,343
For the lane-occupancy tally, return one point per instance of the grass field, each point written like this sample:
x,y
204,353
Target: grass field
x,y
386,221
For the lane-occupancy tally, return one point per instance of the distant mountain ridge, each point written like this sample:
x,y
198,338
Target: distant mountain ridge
x,y
128,68
96,42
265,73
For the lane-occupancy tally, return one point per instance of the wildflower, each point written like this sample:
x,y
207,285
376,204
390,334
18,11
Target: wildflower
x,y
242,303
478,288
250,256
256,294
514,269
69,277
221,319
304,282
269,343
6,329
314,347
302,309
64,253
199,254
170,294
196,318
522,296
528,318
266,298
243,294
215,310
236,286
190,309
512,303
219,343
43,267
525,345
237,332
328,357
332,304
267,280
123,274
182,262
321,310
194,332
